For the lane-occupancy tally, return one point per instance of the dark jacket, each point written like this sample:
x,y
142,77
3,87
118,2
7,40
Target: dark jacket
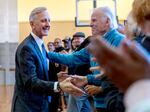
x,y
81,70
32,86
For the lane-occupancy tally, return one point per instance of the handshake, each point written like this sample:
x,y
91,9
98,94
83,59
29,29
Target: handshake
x,y
71,83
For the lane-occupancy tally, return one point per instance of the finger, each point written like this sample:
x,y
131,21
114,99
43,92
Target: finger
x,y
104,52
135,51
89,92
95,68
86,87
89,88
113,70
75,78
92,47
93,59
130,50
98,76
62,73
77,90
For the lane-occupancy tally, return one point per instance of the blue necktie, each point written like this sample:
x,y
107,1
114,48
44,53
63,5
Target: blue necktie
x,y
45,61
46,66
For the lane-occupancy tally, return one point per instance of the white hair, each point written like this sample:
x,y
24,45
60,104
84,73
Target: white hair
x,y
35,12
108,13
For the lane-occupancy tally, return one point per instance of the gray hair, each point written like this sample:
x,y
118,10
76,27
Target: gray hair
x,y
108,13
35,12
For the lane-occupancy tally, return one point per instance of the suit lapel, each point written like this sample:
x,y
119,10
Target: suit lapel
x,y
36,48
40,55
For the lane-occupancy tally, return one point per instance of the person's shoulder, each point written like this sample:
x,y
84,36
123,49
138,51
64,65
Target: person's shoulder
x,y
117,38
26,43
118,35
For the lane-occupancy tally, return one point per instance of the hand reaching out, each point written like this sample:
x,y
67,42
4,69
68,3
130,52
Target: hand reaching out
x,y
126,62
79,81
102,71
62,76
92,89
67,86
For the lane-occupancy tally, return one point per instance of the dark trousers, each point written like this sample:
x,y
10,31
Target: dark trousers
x,y
53,106
101,110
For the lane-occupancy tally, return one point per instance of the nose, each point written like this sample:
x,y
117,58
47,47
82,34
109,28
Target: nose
x,y
48,24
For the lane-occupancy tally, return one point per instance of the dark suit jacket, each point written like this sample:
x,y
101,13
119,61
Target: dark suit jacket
x,y
31,87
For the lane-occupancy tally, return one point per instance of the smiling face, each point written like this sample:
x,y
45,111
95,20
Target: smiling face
x,y
41,24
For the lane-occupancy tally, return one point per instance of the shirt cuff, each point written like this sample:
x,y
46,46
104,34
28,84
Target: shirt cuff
x,y
93,81
55,87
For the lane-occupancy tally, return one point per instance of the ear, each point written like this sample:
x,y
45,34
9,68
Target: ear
x,y
108,22
32,24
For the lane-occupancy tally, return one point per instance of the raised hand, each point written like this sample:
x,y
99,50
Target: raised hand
x,y
98,68
126,62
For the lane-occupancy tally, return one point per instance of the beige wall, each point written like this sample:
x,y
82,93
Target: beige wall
x,y
58,29
62,10
62,16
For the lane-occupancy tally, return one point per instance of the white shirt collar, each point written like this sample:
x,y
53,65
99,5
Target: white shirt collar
x,y
38,40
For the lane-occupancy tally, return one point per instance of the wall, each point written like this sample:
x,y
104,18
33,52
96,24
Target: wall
x,y
58,29
62,16
62,10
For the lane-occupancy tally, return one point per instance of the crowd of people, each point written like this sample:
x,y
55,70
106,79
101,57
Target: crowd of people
x,y
111,67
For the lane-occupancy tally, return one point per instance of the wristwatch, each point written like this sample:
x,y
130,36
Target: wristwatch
x,y
58,87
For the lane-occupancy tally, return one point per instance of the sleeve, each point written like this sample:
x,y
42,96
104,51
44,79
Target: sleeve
x,y
71,60
28,73
92,80
114,98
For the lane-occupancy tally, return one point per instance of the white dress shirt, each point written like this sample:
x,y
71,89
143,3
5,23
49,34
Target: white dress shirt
x,y
39,42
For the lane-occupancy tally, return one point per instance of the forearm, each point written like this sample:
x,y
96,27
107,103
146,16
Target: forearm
x,y
64,59
71,60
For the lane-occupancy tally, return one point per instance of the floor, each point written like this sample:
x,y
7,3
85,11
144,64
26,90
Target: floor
x,y
6,93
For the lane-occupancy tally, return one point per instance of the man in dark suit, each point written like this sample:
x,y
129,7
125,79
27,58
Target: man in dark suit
x,y
32,87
